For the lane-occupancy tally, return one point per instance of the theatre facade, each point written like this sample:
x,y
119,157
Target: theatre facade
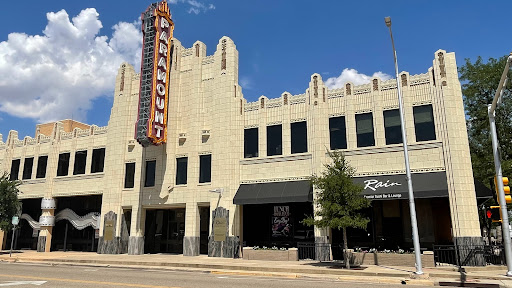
x,y
234,173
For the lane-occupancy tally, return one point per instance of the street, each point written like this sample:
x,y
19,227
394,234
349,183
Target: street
x,y
32,275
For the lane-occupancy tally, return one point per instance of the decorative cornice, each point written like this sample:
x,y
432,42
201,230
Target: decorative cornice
x,y
287,179
395,172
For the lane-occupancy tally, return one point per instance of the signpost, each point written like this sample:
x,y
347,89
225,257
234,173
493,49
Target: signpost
x,y
15,221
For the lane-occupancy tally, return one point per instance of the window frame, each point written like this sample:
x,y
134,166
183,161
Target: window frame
x,y
150,181
79,168
359,136
129,164
298,137
248,144
25,169
208,172
65,170
269,143
423,127
387,128
332,131
179,180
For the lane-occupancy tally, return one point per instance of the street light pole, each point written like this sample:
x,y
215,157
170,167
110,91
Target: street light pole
x,y
412,206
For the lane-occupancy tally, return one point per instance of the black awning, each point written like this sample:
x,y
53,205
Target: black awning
x,y
274,192
482,191
390,187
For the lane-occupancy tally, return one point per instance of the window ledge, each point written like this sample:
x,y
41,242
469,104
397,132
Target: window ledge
x,y
392,148
34,181
205,184
279,158
78,177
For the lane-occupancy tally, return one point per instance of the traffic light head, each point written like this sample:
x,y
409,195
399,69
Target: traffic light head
x,y
506,189
494,213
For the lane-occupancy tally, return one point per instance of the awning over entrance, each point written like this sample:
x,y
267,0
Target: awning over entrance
x,y
274,192
390,187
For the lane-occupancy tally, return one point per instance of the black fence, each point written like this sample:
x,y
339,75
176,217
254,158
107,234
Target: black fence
x,y
469,255
320,251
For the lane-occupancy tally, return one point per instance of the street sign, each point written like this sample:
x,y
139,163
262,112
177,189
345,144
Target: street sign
x,y
15,220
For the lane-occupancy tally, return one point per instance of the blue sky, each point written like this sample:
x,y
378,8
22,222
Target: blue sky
x,y
62,68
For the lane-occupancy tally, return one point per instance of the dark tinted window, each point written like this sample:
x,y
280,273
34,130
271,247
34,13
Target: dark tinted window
x,y
251,143
205,168
424,123
338,133
364,130
129,175
63,166
27,168
274,140
80,159
98,160
181,170
42,161
299,133
392,126
15,169
150,173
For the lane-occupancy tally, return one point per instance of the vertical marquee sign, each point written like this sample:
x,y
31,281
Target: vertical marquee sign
x,y
157,28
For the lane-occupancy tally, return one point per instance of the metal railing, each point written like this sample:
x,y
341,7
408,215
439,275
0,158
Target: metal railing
x,y
320,251
469,255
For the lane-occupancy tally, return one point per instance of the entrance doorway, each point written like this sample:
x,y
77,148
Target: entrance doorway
x,y
204,215
164,231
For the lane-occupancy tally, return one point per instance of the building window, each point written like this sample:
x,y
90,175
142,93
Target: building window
x,y
274,140
150,173
15,169
338,133
181,170
129,175
80,159
251,143
392,126
27,168
364,130
424,123
42,161
98,160
299,131
205,168
63,166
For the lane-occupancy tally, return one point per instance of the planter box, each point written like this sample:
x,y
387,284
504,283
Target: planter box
x,y
392,259
291,254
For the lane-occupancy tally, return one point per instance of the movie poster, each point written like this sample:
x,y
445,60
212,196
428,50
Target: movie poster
x,y
281,224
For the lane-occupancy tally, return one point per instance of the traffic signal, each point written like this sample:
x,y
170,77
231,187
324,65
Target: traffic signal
x,y
494,213
506,189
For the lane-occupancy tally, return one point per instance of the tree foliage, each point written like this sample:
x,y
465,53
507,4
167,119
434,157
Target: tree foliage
x,y
480,81
9,203
339,200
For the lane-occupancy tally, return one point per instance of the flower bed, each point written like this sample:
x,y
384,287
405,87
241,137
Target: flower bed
x,y
269,254
392,259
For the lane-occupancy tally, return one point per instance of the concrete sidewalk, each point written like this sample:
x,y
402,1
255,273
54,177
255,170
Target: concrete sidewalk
x,y
296,269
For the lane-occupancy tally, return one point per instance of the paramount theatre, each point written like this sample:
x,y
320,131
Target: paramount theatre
x,y
187,165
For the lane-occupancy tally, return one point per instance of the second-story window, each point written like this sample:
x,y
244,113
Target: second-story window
x,y
63,166
392,127
338,133
15,169
80,160
129,175
149,181
98,160
181,170
274,140
251,143
27,168
205,168
299,131
42,161
424,123
364,130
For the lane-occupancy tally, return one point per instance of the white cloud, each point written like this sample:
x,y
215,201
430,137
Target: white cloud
x,y
58,74
351,75
195,6
246,82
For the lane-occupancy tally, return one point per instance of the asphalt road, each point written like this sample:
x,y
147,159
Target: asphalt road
x,y
35,275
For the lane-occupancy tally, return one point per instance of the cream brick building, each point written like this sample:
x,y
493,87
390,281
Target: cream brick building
x,y
134,202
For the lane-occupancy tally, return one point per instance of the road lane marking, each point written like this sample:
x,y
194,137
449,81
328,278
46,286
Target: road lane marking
x,y
15,283
86,281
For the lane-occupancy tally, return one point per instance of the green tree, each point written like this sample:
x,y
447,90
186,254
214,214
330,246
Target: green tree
x,y
9,203
480,82
339,200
